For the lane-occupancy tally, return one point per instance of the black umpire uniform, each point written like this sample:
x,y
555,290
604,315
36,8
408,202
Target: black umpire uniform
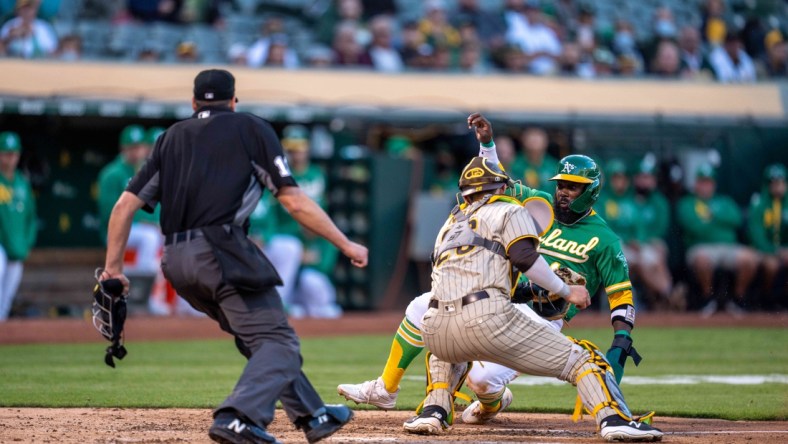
x,y
208,174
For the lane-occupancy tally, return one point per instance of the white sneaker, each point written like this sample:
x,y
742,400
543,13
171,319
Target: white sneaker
x,y
614,428
709,309
371,392
474,414
431,421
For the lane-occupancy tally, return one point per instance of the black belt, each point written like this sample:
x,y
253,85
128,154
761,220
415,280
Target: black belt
x,y
467,299
183,236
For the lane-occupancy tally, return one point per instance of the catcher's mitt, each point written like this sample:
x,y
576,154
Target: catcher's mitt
x,y
109,315
548,305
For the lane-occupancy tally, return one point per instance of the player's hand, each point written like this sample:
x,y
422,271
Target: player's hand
x,y
357,253
482,126
578,295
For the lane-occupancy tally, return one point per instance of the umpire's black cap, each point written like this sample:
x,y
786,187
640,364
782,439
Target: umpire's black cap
x,y
214,84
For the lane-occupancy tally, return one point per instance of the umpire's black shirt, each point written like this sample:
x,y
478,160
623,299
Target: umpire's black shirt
x,y
210,170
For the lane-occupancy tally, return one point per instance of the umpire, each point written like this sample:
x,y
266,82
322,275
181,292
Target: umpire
x,y
208,173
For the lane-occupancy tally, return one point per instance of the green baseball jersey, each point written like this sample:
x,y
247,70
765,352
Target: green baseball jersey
x,y
263,220
708,221
312,182
319,254
112,182
533,176
592,249
18,227
767,224
621,214
653,212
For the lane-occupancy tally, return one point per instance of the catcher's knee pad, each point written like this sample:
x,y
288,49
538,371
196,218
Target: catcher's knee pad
x,y
417,307
586,361
442,375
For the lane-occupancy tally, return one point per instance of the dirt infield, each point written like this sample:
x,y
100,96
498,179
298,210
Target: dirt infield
x,y
190,425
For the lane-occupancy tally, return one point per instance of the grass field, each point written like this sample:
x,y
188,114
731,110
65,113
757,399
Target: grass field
x,y
202,373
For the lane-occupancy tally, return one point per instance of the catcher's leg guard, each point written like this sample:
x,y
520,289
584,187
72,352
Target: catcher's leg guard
x,y
444,381
596,385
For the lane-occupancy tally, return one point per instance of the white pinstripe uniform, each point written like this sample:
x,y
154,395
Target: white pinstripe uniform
x,y
492,329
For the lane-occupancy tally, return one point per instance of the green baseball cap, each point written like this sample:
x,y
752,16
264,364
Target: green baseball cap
x,y
295,138
153,134
132,135
774,171
615,166
705,171
647,166
9,142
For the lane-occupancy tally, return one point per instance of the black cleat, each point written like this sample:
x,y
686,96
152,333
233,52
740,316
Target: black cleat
x,y
616,428
325,422
228,428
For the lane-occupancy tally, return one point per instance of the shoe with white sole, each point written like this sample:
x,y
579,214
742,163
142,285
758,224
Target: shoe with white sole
x,y
615,428
474,414
370,392
432,421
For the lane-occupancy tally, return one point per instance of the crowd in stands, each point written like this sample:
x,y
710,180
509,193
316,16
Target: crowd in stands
x,y
727,40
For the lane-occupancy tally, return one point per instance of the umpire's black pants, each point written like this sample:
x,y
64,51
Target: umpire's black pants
x,y
262,334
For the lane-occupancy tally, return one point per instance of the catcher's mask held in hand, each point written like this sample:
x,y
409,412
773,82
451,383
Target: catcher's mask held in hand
x,y
109,315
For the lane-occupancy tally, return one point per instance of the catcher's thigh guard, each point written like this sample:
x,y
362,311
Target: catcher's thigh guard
x,y
597,390
444,381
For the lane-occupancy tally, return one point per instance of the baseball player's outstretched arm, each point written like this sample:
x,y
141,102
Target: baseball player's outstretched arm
x,y
309,214
484,134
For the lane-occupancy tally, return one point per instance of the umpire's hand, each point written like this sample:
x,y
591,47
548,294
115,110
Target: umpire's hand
x,y
357,254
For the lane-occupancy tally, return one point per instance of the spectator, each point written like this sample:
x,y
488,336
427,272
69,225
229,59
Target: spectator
x,y
489,26
692,57
435,26
534,166
149,54
649,252
27,36
69,48
272,32
664,24
768,227
730,63
538,41
709,223
206,11
471,59
347,51
155,10
415,52
343,11
585,34
775,62
713,28
381,50
575,62
145,238
667,62
18,226
277,52
187,52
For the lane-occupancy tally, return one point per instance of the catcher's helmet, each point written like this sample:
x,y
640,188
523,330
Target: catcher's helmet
x,y
480,175
581,169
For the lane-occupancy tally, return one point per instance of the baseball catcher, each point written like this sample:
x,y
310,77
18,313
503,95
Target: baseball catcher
x,y
109,315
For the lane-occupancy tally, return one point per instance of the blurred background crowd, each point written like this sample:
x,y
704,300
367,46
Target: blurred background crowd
x,y
706,40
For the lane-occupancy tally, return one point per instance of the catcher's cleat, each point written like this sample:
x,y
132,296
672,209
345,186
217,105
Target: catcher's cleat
x,y
431,421
616,428
325,422
370,392
475,413
228,428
